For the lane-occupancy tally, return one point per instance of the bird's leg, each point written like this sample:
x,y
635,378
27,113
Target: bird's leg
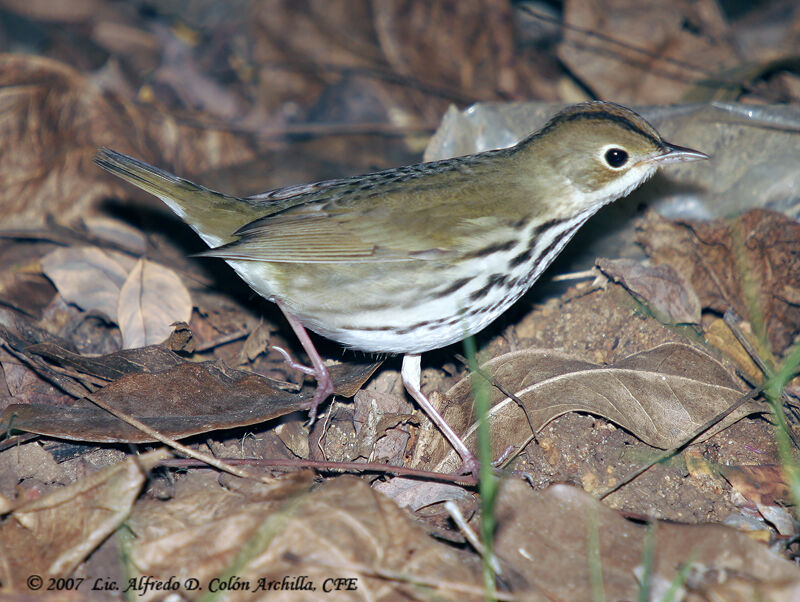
x,y
317,369
411,374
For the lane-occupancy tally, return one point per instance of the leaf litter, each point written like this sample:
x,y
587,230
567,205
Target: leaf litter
x,y
608,354
661,396
175,396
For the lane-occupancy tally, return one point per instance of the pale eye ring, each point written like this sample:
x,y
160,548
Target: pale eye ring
x,y
616,157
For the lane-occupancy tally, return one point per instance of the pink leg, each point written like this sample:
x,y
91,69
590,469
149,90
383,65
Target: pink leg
x,y
411,375
318,369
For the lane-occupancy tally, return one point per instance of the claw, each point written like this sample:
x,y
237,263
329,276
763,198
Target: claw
x,y
317,368
292,363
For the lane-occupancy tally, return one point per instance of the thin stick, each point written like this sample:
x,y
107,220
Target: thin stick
x,y
329,466
492,381
670,452
730,318
186,451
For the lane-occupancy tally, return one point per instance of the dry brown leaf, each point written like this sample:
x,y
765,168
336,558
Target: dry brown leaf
x,y
342,529
112,366
690,32
661,396
757,254
89,277
168,393
144,297
669,295
52,117
54,534
21,382
257,342
187,399
546,535
381,431
152,298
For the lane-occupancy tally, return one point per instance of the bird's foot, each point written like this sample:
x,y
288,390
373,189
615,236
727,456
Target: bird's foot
x,y
324,383
469,466
317,369
293,363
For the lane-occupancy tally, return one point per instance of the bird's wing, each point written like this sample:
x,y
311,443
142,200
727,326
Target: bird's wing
x,y
428,216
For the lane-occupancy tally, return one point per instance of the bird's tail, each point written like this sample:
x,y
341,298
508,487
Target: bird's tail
x,y
212,215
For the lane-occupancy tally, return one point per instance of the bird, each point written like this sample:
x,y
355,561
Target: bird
x,y
415,258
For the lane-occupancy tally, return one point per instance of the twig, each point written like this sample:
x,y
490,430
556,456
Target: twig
x,y
328,466
180,448
730,318
492,381
674,450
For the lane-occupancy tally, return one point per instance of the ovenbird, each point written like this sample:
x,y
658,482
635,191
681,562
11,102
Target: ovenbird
x,y
415,258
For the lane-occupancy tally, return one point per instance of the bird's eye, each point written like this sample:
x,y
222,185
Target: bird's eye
x,y
616,157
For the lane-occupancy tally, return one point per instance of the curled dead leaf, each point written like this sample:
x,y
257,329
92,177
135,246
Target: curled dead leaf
x,y
364,536
185,399
52,535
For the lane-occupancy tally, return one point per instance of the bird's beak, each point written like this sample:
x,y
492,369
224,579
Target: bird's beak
x,y
678,154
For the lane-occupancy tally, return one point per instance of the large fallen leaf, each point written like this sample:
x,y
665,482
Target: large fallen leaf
x,y
112,366
145,298
51,536
89,277
187,399
168,393
364,537
151,300
546,535
661,396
